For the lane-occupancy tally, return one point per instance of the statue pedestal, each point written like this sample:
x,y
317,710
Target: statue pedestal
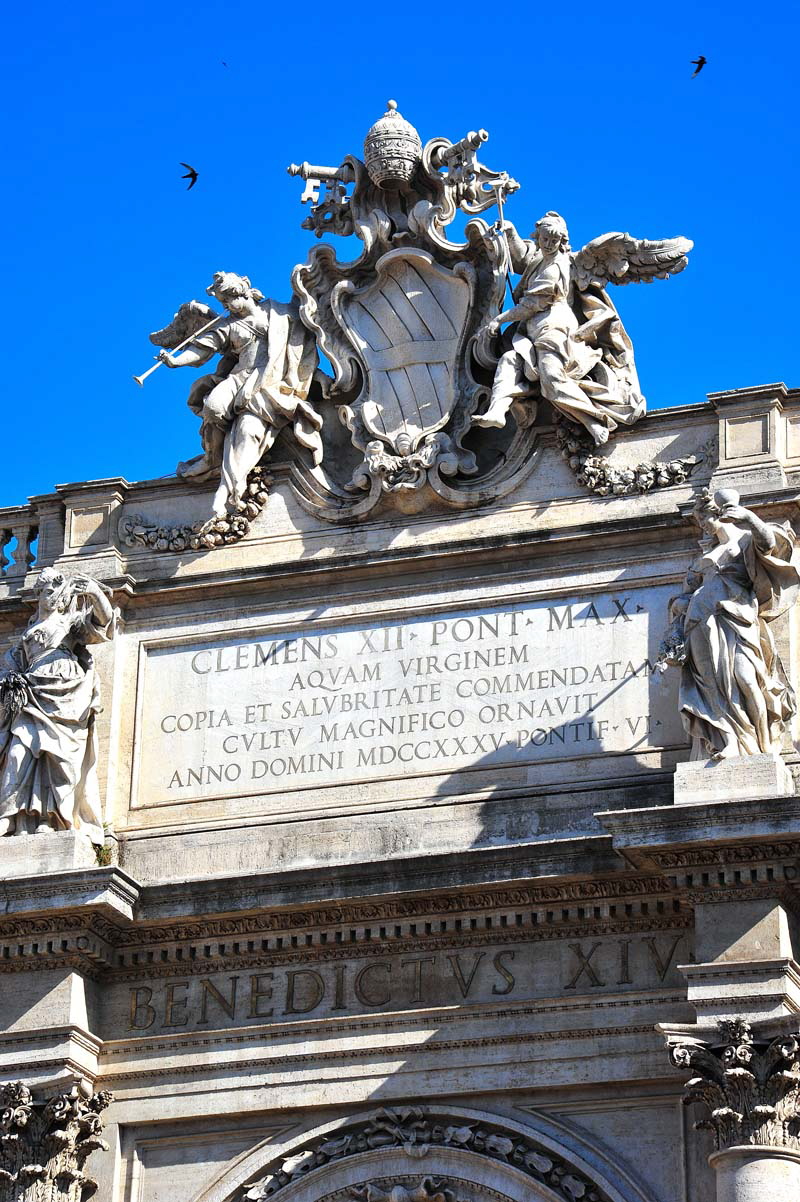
x,y
751,776
756,1174
35,855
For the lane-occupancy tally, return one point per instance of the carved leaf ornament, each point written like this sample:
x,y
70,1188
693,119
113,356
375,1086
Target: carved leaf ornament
x,y
44,1146
750,1087
416,1132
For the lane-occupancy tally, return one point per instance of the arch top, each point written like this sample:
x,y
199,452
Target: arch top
x,y
416,1154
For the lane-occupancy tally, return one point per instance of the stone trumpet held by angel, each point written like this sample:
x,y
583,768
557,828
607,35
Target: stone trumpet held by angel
x,y
159,357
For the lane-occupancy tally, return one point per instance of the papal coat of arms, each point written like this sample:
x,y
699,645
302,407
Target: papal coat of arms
x,y
440,351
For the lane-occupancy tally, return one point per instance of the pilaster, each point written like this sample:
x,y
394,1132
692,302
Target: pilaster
x,y
45,1143
748,1079
752,437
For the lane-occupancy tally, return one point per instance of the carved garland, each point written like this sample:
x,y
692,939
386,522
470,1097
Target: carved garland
x,y
416,1132
136,531
598,475
44,1145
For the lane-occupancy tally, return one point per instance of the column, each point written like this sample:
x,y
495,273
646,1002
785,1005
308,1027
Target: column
x,y
748,1079
44,1144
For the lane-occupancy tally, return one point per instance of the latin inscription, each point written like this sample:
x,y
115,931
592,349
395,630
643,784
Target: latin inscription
x,y
442,978
431,695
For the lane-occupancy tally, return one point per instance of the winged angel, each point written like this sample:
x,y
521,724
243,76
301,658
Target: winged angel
x,y
259,385
568,338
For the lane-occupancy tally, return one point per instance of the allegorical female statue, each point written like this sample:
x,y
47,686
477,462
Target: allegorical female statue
x,y
568,338
48,702
260,384
735,698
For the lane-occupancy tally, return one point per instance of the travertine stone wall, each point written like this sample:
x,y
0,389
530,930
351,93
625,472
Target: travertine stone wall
x,y
391,829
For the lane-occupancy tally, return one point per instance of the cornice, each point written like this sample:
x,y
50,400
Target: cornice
x,y
198,960
675,839
101,923
440,560
107,891
88,941
397,883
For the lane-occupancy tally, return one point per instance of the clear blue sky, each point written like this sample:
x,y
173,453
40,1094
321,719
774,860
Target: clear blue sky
x,y
590,106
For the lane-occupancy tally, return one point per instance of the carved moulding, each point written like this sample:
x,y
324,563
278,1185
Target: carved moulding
x,y
469,1153
750,1085
44,1145
416,1133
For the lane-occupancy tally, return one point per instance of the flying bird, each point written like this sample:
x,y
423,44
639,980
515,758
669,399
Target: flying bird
x,y
190,174
699,63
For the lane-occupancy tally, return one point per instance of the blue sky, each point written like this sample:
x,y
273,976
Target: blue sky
x,y
590,106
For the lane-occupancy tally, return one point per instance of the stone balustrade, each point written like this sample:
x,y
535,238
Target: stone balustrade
x,y
19,531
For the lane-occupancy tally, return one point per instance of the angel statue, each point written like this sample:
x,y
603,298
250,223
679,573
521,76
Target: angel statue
x,y
568,337
735,697
48,702
260,384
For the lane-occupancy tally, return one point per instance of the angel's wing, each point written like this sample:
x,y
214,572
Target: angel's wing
x,y
621,259
190,318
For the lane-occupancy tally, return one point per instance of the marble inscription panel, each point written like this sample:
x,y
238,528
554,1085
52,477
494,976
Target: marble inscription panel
x,y
388,982
472,689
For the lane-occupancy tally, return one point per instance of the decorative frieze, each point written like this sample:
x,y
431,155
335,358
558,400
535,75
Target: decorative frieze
x,y
337,983
750,1085
44,1145
418,1133
572,902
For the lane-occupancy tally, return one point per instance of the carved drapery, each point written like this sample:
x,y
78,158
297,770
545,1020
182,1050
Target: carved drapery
x,y
44,1145
750,1085
418,1133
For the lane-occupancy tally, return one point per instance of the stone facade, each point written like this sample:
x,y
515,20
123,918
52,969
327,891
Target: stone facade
x,y
351,845
321,955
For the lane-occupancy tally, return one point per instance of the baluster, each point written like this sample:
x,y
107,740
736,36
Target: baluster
x,y
22,555
5,538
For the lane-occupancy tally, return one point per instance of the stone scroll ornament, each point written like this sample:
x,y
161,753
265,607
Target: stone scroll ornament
x,y
735,696
749,1086
49,699
411,328
44,1145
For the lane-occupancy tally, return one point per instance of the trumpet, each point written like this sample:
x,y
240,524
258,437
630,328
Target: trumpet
x,y
141,379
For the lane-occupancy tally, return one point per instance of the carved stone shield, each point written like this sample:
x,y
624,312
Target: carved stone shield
x,y
408,326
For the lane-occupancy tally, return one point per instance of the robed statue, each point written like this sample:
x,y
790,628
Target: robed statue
x,y
49,699
735,697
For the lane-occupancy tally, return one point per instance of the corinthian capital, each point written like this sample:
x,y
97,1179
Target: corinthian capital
x,y
44,1145
749,1084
